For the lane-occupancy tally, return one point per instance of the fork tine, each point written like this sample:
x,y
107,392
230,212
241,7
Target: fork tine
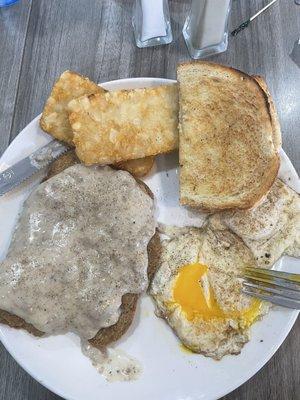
x,y
272,282
278,278
281,301
277,274
290,294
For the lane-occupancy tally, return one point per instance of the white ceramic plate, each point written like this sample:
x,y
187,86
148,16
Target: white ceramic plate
x,y
168,372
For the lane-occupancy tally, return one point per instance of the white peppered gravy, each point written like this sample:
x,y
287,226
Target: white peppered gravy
x,y
79,246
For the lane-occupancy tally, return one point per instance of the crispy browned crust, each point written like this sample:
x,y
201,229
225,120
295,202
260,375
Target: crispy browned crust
x,y
129,301
220,67
106,336
138,167
138,170
148,126
246,204
13,321
272,111
54,118
63,162
209,205
154,254
112,333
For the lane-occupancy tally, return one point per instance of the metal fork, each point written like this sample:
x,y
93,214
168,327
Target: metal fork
x,y
277,287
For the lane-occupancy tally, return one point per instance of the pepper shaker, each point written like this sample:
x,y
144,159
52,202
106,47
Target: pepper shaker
x,y
205,29
151,23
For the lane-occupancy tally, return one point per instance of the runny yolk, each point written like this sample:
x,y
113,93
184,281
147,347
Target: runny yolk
x,y
195,296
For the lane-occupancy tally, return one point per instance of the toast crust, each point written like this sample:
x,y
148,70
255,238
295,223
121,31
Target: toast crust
x,y
272,110
247,202
229,141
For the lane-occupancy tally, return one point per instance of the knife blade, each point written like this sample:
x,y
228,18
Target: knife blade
x,y
18,173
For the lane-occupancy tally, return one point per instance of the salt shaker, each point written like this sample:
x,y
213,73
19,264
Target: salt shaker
x,y
205,29
151,23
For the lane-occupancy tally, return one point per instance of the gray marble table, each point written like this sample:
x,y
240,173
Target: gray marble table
x,y
41,38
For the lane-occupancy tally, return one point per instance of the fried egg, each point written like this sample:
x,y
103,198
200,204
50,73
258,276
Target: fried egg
x,y
197,289
270,229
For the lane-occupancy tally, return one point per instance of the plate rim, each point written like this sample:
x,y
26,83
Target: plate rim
x,y
141,81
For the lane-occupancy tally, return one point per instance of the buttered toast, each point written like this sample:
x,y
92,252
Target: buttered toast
x,y
228,137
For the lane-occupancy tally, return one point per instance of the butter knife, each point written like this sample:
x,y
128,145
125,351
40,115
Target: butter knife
x,y
18,173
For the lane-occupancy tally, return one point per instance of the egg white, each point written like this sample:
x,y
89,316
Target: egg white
x,y
225,255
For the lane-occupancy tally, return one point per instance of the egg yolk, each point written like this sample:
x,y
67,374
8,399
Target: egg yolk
x,y
195,296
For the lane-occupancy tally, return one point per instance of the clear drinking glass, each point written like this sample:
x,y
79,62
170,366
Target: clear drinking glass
x,y
205,29
151,23
6,3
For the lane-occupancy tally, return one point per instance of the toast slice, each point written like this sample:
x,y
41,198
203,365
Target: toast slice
x,y
105,336
274,117
125,125
229,137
